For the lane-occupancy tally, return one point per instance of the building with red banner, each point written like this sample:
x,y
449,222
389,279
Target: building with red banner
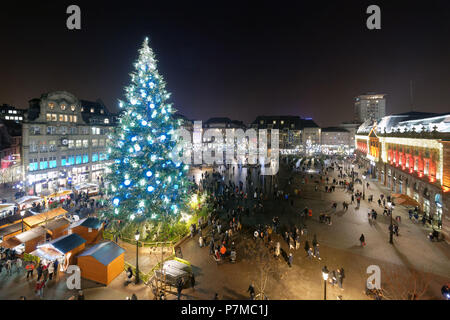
x,y
409,153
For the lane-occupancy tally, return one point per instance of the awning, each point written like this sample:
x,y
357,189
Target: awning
x,y
7,207
28,199
405,200
59,194
43,217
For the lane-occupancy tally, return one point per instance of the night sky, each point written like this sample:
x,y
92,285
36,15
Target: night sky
x,y
233,58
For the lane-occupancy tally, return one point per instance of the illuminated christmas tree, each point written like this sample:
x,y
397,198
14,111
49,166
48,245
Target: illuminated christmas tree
x,y
144,182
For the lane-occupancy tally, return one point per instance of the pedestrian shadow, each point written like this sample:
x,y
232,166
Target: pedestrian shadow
x,y
284,255
233,295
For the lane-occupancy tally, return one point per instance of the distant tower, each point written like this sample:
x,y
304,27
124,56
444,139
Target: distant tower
x,y
370,106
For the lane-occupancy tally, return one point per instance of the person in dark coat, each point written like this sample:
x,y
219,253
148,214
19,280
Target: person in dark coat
x,y
80,295
39,271
193,281
179,284
362,240
306,246
251,290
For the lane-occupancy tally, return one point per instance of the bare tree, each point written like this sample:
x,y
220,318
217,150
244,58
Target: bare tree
x,y
404,284
261,256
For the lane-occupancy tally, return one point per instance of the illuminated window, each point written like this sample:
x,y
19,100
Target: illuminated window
x,y
102,111
66,118
71,144
85,158
95,142
74,118
49,117
86,143
106,120
63,161
51,105
78,144
63,106
94,157
78,160
92,110
54,117
72,107
61,118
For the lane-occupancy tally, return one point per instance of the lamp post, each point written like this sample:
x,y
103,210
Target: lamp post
x,y
364,186
136,236
391,226
325,278
22,213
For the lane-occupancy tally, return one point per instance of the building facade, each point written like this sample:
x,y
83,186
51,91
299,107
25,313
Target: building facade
x,y
370,106
335,136
410,154
64,142
10,113
10,149
295,133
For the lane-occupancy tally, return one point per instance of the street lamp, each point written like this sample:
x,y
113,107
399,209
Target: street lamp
x,y
364,186
325,278
22,213
391,226
136,236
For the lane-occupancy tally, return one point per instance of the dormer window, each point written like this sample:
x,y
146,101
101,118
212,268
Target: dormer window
x,y
51,105
72,107
92,110
63,107
102,111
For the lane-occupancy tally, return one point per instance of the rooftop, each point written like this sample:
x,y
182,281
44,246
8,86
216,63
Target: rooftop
x,y
104,252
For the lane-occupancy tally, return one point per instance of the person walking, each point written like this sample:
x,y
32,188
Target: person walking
x,y
340,277
290,259
39,271
39,289
179,284
45,273
80,295
306,246
19,265
310,253
251,290
314,242
193,281
51,269
55,266
316,252
8,267
30,268
362,240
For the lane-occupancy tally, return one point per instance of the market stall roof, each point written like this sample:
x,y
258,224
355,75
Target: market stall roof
x,y
405,200
11,243
104,252
45,216
14,218
9,229
86,185
57,223
30,234
4,206
28,199
65,243
92,223
59,194
46,253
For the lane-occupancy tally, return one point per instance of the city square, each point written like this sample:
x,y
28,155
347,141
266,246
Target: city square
x,y
147,196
